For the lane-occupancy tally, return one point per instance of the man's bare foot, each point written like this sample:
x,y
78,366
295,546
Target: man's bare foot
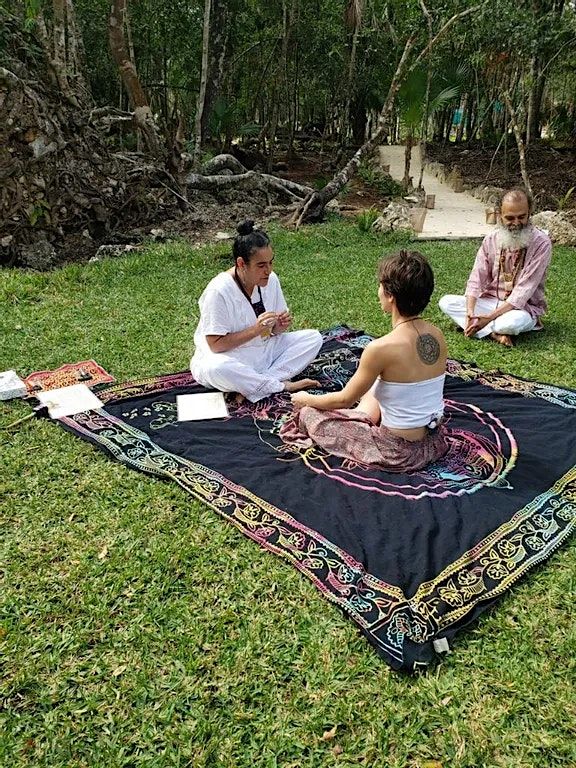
x,y
503,338
296,386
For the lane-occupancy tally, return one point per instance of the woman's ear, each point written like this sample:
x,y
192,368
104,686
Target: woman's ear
x,y
390,301
383,292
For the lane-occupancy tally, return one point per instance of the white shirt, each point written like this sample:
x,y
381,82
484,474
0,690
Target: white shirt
x,y
225,309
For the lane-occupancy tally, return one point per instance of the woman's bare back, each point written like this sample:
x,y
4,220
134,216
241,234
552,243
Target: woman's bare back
x,y
413,351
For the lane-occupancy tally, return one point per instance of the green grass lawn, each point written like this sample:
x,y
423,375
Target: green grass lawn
x,y
140,629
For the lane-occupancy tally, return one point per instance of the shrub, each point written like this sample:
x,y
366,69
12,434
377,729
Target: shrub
x,y
366,218
319,182
563,201
380,182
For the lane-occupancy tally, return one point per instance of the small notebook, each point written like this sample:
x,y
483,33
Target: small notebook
x,y
68,401
204,405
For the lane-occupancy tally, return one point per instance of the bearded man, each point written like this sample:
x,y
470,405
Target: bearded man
x,y
505,290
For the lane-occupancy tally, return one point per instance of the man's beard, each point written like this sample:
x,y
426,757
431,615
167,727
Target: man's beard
x,y
514,238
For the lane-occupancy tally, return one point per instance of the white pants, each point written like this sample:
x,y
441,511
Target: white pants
x,y
511,323
282,357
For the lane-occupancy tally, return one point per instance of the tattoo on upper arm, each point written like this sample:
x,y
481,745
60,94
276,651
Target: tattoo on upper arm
x,y
428,348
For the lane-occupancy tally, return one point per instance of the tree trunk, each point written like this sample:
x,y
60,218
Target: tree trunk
x,y
143,118
355,13
295,104
174,163
425,116
463,117
313,208
359,120
55,50
127,29
281,79
448,125
545,51
121,55
470,120
537,85
292,90
272,128
423,147
59,35
77,54
519,142
203,80
439,121
407,180
217,54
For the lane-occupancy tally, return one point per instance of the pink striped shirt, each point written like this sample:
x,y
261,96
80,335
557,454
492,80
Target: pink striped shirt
x,y
528,291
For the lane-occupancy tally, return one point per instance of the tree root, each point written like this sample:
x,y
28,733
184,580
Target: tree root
x,y
239,177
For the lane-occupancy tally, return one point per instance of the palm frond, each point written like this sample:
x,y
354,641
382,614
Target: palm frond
x,y
444,97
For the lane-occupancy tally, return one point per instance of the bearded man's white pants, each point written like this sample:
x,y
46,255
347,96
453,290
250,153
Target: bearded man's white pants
x,y
511,323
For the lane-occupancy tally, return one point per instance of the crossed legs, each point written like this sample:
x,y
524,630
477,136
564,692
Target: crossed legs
x,y
502,329
283,358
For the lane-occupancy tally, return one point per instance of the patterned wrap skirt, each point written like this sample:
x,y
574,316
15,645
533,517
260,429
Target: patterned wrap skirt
x,y
352,435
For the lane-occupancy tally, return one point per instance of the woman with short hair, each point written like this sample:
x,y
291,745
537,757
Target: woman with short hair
x,y
242,343
398,386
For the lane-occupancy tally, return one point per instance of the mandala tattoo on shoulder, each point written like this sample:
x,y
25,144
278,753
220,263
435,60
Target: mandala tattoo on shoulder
x,y
428,348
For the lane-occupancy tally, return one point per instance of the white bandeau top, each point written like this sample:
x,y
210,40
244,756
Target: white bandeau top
x,y
407,405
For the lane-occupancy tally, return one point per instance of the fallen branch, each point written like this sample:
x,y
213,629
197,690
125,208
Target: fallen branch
x,y
6,76
99,112
222,162
443,30
107,122
176,194
250,179
296,190
230,163
134,157
200,181
313,206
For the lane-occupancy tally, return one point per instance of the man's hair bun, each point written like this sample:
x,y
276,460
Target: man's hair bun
x,y
246,228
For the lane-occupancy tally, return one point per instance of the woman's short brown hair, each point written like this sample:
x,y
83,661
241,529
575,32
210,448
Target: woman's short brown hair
x,y
408,277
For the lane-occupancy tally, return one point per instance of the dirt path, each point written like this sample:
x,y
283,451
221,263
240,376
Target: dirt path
x,y
455,216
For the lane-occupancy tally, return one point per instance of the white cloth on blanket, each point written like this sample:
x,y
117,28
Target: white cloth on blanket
x,y
511,323
259,367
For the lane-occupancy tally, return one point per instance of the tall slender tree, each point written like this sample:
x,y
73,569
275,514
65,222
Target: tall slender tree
x,y
203,80
143,117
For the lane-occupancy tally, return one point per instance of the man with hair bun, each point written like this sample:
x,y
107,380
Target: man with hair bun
x,y
242,343
505,291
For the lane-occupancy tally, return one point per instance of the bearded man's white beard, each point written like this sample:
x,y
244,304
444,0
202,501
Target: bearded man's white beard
x,y
513,239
